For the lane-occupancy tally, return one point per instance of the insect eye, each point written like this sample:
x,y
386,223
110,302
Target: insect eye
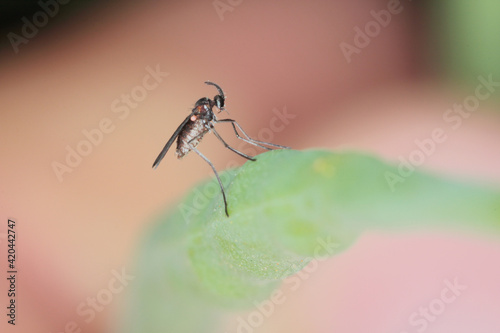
x,y
219,101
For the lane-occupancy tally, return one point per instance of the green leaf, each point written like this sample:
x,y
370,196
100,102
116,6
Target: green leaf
x,y
285,208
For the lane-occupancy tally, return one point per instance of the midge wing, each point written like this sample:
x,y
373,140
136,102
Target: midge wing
x,y
170,141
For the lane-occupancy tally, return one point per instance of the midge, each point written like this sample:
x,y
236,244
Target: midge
x,y
200,121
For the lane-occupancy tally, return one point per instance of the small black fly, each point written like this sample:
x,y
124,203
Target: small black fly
x,y
200,121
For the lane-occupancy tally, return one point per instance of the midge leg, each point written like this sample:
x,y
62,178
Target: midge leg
x,y
248,138
231,148
216,175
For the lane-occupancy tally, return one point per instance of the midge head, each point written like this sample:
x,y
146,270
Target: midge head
x,y
219,99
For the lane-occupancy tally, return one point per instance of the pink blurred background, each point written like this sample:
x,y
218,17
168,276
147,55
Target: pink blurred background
x,y
73,231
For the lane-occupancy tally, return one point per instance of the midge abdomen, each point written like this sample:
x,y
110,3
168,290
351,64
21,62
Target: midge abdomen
x,y
192,133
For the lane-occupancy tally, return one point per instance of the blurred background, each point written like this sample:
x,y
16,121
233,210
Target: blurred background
x,y
91,91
